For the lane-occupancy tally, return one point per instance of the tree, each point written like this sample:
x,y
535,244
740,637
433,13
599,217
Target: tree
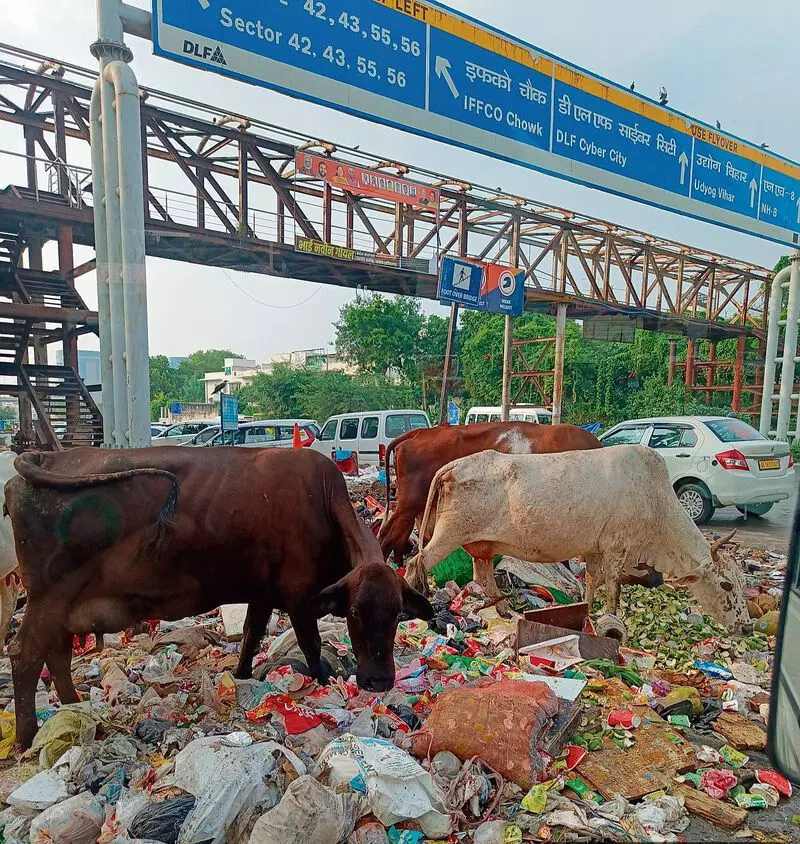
x,y
377,332
275,395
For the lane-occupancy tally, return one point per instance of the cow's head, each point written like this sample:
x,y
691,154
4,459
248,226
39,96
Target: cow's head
x,y
372,598
718,585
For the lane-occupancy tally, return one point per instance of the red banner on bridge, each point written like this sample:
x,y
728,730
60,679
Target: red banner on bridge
x,y
362,180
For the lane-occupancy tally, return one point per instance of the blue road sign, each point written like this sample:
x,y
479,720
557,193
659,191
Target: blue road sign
x,y
229,412
419,66
176,408
453,412
460,282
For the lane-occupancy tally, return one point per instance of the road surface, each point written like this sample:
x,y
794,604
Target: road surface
x,y
772,531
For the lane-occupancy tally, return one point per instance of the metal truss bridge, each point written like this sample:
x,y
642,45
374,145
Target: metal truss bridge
x,y
221,190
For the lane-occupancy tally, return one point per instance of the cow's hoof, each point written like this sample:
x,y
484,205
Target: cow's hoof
x,y
323,674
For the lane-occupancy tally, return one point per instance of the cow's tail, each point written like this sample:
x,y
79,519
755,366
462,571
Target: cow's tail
x,y
29,467
389,453
433,495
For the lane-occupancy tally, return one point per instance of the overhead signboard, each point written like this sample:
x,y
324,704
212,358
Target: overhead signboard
x,y
421,67
482,287
366,182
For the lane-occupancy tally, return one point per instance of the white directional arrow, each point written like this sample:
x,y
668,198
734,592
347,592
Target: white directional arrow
x,y
204,4
684,160
753,192
443,70
798,212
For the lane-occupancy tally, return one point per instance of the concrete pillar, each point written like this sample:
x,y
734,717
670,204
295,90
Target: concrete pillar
x,y
508,340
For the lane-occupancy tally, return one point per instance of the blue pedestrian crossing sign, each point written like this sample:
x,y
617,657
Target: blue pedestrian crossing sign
x,y
453,412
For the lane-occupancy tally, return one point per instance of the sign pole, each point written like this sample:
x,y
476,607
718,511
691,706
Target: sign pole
x,y
558,366
507,346
451,334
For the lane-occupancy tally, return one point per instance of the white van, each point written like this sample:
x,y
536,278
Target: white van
x,y
519,413
367,433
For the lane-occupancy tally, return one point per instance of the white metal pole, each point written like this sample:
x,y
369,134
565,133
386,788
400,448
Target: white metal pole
x,y
789,350
508,339
773,331
115,291
558,365
131,193
101,252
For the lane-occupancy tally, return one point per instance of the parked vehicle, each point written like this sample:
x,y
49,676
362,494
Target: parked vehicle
x,y
156,429
181,432
367,433
268,433
203,437
714,461
520,413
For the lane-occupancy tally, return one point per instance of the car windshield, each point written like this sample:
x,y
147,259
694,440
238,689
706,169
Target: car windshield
x,y
733,430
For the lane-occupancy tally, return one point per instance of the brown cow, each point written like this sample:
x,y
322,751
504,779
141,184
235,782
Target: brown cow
x,y
103,543
419,454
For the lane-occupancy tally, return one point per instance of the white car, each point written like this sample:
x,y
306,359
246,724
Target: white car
x,y
182,432
714,461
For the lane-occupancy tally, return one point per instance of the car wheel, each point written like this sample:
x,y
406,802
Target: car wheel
x,y
696,500
755,509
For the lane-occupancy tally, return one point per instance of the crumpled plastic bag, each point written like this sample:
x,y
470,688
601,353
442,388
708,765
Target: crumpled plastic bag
x,y
162,821
77,820
161,666
226,780
398,788
662,815
8,734
39,792
72,724
309,813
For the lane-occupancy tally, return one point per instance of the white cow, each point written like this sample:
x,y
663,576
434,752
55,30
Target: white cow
x,y
614,505
9,584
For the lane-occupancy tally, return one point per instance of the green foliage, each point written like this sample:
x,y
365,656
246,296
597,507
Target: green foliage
x,y
186,382
314,394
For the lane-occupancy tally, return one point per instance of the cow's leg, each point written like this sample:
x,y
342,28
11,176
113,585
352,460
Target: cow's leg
x,y
43,619
255,626
396,534
613,568
59,661
593,577
307,632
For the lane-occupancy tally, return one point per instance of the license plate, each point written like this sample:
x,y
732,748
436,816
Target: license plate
x,y
769,464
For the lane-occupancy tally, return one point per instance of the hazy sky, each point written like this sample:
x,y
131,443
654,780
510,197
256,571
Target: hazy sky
x,y
729,60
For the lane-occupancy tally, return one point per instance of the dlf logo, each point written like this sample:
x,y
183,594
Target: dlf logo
x,y
211,54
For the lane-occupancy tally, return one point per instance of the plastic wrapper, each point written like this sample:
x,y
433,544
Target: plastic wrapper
x,y
717,783
498,722
309,813
8,734
77,820
162,821
397,787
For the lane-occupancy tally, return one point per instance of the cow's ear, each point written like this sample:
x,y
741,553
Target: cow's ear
x,y
414,603
692,577
331,601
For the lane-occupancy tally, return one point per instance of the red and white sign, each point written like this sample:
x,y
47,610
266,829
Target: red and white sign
x,y
362,180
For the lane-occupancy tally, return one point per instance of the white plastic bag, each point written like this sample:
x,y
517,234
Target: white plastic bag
x,y
397,786
77,820
160,667
225,780
39,792
490,832
309,813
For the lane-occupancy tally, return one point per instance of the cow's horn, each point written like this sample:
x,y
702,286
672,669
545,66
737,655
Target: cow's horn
x,y
717,544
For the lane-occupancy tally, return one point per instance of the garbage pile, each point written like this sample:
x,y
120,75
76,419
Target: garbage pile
x,y
498,730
